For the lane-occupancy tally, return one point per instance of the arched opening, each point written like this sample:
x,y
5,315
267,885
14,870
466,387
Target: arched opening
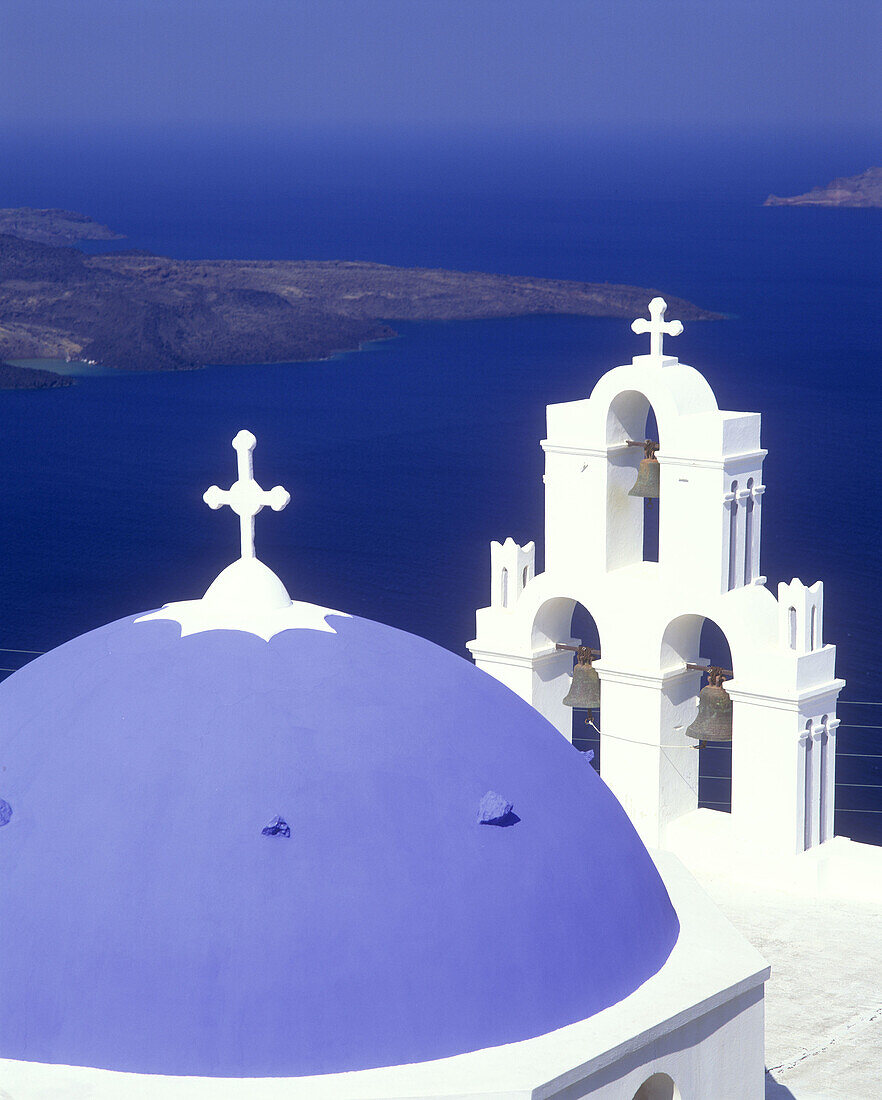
x,y
525,576
791,626
658,1087
651,508
586,737
692,639
715,757
503,595
557,621
634,521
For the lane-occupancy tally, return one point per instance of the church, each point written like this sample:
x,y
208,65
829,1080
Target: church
x,y
251,847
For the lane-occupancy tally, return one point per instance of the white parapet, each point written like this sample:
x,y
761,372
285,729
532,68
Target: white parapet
x,y
511,569
801,616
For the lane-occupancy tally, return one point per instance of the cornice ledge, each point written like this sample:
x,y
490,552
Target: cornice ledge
x,y
707,463
582,451
516,660
792,702
642,679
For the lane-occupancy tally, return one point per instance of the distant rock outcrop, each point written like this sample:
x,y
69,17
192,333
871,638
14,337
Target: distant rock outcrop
x,y
30,378
862,190
56,227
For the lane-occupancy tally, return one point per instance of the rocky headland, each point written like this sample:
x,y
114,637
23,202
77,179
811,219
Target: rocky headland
x,y
137,311
57,227
30,378
862,190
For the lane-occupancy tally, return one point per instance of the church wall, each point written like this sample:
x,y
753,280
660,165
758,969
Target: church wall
x,y
576,526
629,760
719,1056
624,514
679,760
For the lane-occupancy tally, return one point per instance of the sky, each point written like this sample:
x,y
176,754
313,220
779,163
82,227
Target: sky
x,y
453,64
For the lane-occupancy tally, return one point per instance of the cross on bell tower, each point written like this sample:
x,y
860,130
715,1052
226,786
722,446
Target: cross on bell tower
x,y
245,496
657,326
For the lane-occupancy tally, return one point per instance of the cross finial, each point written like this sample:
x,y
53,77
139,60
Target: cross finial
x,y
657,326
245,496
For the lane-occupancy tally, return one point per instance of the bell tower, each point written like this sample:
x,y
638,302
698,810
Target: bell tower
x,y
649,614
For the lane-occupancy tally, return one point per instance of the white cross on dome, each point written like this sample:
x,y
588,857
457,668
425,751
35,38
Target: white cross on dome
x,y
247,595
245,496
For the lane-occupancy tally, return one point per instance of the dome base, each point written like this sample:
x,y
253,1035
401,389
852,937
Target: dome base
x,y
246,596
248,583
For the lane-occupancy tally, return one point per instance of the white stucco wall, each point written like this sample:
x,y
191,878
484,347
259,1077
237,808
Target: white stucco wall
x,y
716,1056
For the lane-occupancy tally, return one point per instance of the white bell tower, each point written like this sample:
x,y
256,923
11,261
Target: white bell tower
x,y
649,614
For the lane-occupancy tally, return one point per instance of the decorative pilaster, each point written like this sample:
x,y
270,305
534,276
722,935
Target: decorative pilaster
x,y
754,548
828,788
730,539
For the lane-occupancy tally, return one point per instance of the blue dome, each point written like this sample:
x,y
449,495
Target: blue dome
x,y
232,857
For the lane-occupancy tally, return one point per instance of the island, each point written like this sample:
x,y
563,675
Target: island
x,y
861,190
53,226
134,310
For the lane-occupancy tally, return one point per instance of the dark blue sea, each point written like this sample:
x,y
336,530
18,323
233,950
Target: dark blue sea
x,y
405,459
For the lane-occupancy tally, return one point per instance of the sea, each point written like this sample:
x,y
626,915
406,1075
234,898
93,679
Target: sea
x,y
404,459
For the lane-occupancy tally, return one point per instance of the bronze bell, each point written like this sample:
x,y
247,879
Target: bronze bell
x,y
714,719
647,483
584,693
648,479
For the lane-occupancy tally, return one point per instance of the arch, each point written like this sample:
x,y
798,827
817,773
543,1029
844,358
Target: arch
x,y
634,522
626,416
686,639
791,626
553,619
651,508
586,735
658,1087
747,618
525,576
676,392
504,587
681,637
551,623
559,619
